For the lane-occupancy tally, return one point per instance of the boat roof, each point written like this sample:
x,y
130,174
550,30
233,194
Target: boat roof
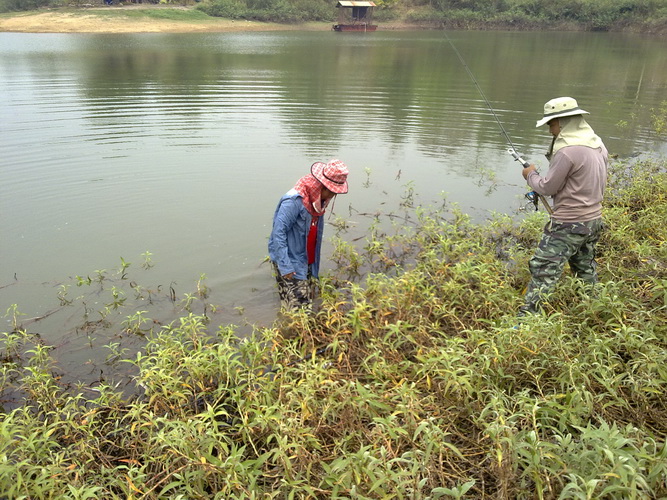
x,y
355,3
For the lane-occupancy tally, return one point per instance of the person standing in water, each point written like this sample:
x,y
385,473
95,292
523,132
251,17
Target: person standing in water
x,y
296,238
576,179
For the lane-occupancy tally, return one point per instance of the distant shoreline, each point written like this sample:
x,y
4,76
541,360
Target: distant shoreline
x,y
129,19
145,18
99,20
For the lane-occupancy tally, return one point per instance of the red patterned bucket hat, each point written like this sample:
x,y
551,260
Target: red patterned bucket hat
x,y
333,175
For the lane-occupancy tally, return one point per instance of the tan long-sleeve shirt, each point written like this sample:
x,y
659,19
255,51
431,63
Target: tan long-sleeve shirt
x,y
576,180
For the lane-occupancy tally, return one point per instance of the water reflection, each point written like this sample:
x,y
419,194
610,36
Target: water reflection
x,y
322,86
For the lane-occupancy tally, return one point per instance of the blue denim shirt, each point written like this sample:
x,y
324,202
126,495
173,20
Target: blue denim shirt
x,y
287,243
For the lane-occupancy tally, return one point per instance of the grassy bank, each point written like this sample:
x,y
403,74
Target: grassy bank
x,y
410,382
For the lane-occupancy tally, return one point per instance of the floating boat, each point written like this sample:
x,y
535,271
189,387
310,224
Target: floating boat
x,y
355,15
355,27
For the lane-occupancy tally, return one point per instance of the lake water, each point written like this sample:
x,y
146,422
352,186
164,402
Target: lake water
x,y
180,145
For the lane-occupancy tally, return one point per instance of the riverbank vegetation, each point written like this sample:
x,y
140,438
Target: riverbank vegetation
x,y
646,16
412,380
599,15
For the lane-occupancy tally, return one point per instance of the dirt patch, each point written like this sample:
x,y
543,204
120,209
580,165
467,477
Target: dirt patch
x,y
91,22
99,20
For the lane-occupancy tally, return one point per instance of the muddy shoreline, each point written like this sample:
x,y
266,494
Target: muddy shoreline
x,y
99,20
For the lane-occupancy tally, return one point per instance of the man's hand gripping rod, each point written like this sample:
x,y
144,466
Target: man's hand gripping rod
x,y
532,196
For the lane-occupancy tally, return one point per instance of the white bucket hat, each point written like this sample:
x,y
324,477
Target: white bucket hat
x,y
560,106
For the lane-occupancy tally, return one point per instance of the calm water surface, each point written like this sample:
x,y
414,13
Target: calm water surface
x,y
181,145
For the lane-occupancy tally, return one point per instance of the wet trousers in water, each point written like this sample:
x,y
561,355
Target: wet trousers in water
x,y
294,293
571,242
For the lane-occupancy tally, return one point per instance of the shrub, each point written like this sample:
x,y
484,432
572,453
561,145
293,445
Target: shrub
x,y
229,9
20,5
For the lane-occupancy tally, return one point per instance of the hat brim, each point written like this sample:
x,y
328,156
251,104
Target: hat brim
x,y
317,169
571,112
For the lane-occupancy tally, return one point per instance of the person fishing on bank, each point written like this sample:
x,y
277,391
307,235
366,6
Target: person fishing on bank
x,y
298,225
576,180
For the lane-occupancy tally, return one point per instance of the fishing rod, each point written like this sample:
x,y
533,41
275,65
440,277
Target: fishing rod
x,y
532,196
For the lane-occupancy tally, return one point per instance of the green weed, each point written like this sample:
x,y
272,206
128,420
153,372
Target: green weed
x,y
409,381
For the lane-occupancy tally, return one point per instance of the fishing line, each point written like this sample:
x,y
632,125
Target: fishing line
x,y
534,197
474,80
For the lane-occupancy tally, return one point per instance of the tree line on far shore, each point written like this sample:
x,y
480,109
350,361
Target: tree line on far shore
x,y
595,15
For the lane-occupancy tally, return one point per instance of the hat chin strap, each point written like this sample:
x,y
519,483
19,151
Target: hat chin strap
x,y
550,153
333,203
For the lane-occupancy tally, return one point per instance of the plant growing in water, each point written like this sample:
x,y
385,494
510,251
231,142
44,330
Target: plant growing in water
x,y
409,384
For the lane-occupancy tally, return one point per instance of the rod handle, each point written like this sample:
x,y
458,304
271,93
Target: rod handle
x,y
516,157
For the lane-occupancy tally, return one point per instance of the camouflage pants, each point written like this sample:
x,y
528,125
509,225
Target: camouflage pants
x,y
294,293
572,242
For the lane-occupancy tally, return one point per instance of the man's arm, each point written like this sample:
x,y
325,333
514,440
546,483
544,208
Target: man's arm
x,y
554,180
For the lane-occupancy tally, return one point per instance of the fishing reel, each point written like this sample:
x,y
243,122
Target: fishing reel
x,y
534,198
